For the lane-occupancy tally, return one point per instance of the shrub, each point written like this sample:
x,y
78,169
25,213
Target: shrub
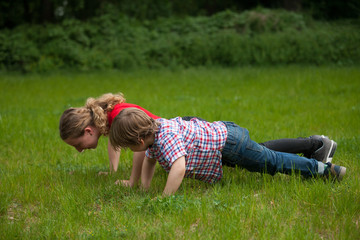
x,y
17,51
260,36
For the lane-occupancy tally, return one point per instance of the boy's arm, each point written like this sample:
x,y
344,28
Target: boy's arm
x,y
176,175
113,157
147,172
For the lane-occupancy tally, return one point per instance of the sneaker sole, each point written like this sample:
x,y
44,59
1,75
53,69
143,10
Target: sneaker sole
x,y
331,153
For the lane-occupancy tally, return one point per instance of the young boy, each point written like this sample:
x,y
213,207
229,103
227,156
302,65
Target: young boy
x,y
198,149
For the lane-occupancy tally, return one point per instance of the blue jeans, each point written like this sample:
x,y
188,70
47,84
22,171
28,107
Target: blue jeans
x,y
240,150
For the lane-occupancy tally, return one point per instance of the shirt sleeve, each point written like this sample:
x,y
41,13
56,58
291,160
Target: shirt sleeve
x,y
172,147
149,153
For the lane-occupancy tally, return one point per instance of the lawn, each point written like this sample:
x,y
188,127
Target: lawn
x,y
50,191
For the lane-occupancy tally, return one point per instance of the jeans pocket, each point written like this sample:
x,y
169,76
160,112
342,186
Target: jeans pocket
x,y
229,156
254,159
251,145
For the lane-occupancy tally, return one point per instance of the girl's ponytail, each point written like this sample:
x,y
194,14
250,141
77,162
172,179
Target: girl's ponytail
x,y
74,120
100,107
98,114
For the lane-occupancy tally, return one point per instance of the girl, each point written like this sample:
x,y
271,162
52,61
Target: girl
x,y
82,128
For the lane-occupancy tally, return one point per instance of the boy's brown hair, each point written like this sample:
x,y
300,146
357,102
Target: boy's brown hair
x,y
130,126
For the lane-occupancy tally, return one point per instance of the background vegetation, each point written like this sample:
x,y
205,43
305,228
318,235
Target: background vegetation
x,y
50,191
46,35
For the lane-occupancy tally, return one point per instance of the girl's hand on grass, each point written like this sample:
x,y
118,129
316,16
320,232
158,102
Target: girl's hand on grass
x,y
125,183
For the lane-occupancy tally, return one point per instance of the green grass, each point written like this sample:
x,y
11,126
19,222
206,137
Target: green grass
x,y
48,190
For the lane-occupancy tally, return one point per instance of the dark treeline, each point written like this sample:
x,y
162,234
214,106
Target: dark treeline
x,y
18,12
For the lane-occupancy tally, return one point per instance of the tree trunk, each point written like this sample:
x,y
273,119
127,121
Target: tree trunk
x,y
47,13
292,5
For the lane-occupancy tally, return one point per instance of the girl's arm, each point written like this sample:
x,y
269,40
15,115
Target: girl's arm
x,y
147,172
176,175
113,157
138,160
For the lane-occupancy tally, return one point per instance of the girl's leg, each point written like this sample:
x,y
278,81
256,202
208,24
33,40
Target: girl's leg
x,y
294,145
188,118
318,147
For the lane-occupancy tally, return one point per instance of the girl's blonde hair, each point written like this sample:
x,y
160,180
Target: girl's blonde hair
x,y
130,126
74,120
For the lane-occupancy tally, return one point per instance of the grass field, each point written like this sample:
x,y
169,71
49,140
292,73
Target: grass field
x,y
50,191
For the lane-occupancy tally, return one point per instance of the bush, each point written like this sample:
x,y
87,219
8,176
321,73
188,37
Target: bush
x,y
16,51
260,36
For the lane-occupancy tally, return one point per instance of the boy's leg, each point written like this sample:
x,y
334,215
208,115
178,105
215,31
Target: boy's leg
x,y
242,151
288,163
318,147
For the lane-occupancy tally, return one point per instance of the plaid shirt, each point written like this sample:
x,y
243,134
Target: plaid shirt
x,y
199,141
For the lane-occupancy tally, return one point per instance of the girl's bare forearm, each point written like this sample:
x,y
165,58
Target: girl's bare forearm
x,y
138,160
113,157
147,172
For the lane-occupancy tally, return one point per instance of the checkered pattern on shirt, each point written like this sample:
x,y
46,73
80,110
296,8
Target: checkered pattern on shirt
x,y
199,141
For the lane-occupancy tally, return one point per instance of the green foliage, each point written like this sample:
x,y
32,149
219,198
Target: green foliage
x,y
260,36
17,50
